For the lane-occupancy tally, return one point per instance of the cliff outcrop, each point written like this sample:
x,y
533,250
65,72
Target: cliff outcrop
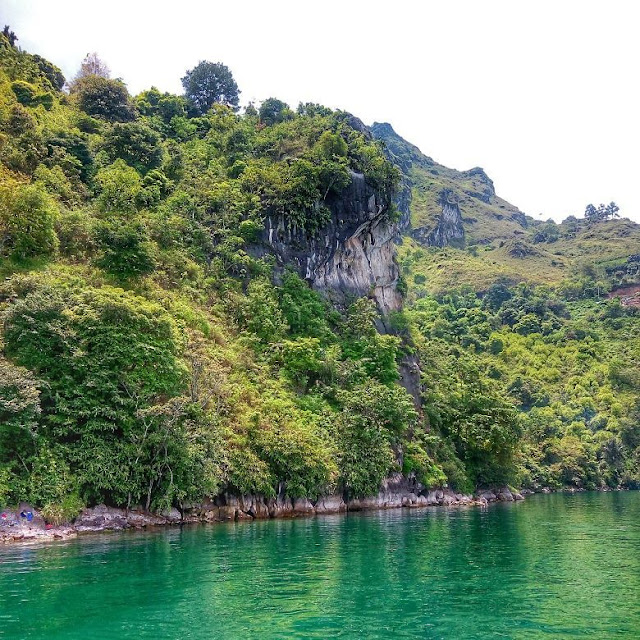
x,y
352,255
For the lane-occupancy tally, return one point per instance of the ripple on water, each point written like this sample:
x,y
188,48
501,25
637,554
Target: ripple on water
x,y
554,566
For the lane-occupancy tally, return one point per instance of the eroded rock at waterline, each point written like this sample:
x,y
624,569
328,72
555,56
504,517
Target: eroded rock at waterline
x,y
330,504
397,491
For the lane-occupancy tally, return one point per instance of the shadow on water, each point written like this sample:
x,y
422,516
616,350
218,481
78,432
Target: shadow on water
x,y
554,566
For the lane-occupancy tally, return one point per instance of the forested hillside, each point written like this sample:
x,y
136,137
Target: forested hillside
x,y
185,311
543,314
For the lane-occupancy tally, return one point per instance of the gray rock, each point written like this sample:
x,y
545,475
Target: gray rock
x,y
302,507
330,504
354,254
172,515
280,507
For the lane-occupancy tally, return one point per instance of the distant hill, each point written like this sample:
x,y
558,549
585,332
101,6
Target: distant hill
x,y
489,240
484,215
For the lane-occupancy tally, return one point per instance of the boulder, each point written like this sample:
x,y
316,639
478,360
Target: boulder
x,y
505,495
330,504
226,513
302,507
172,516
421,501
280,507
212,514
102,518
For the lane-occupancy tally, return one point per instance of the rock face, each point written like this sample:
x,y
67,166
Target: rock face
x,y
448,230
353,254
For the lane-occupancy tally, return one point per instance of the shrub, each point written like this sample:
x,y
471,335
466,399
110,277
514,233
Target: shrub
x,y
119,186
135,143
125,249
27,222
25,93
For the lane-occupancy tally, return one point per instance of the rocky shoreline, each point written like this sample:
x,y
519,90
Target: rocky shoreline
x,y
397,492
228,508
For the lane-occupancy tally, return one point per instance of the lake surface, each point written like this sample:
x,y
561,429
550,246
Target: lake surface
x,y
556,566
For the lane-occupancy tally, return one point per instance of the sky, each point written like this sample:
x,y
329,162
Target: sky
x,y
544,95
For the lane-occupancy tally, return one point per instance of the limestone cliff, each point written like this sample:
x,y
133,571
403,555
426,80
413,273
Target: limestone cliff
x,y
354,254
448,229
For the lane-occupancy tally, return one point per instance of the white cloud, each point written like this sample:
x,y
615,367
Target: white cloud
x,y
543,94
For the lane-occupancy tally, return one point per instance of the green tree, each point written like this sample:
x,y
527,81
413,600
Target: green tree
x,y
373,419
119,186
11,37
273,111
105,357
124,248
135,143
103,98
209,83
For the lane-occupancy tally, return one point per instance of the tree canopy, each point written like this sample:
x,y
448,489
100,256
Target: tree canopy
x,y
210,83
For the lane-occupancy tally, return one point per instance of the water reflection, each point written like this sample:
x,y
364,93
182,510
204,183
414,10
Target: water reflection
x,y
567,566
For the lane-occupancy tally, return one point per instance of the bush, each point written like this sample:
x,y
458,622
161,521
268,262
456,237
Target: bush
x,y
273,111
25,93
58,513
75,231
125,248
297,450
27,222
119,186
109,363
372,419
136,144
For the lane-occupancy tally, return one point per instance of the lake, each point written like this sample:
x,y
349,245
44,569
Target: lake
x,y
554,566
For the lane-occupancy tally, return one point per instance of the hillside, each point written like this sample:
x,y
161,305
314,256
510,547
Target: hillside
x,y
546,312
489,240
201,305
481,214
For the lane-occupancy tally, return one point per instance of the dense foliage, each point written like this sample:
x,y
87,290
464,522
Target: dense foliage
x,y
147,357
556,383
150,358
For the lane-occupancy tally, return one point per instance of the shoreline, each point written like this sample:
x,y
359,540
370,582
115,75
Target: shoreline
x,y
101,518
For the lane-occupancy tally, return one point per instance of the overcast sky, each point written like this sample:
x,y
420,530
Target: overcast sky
x,y
544,95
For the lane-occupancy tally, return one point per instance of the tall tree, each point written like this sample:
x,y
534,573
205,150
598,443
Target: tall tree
x,y
92,65
209,83
591,213
612,210
9,35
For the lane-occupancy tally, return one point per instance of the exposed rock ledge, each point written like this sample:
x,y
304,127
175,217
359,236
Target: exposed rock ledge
x,y
396,492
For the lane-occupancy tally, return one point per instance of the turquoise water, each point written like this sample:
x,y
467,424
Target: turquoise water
x,y
555,566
